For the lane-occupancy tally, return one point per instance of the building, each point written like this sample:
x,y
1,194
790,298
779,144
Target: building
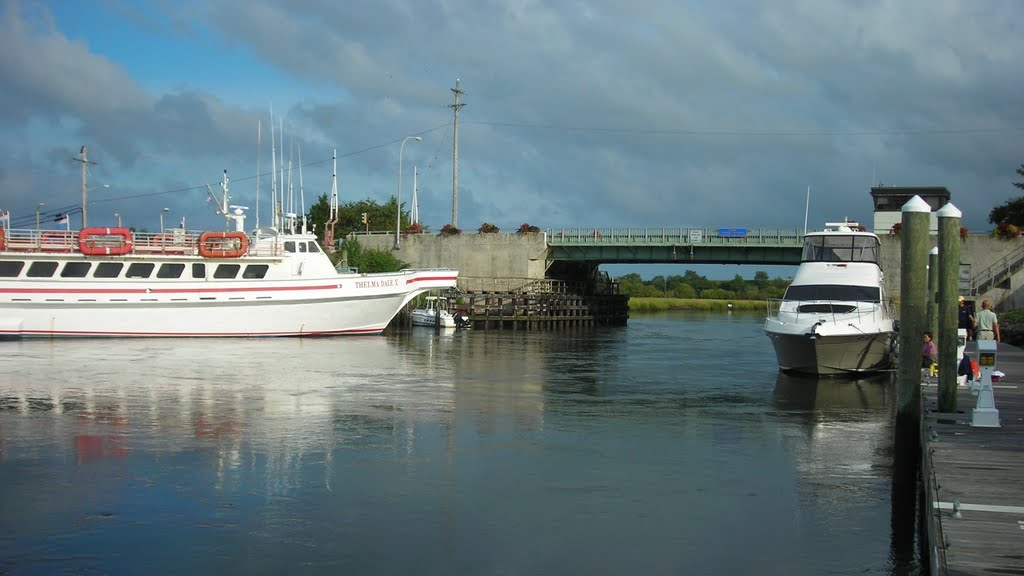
x,y
889,201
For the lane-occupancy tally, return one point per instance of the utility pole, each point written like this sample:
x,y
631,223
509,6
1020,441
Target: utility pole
x,y
85,162
455,156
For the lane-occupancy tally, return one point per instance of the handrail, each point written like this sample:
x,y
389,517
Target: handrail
x,y
1003,266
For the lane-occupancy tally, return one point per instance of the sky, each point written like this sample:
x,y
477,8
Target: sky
x,y
605,113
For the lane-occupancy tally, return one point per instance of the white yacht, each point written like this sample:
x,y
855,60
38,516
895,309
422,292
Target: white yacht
x,y
834,318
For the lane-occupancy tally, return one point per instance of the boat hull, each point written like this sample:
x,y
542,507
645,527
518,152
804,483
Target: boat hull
x,y
422,317
346,304
833,355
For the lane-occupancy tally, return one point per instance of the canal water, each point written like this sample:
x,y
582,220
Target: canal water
x,y
669,446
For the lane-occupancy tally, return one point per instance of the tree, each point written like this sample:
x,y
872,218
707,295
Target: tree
x,y
379,217
1011,211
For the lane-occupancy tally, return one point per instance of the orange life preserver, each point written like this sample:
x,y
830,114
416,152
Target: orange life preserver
x,y
3,238
88,245
211,244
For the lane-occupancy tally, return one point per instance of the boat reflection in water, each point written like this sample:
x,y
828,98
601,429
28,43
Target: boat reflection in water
x,y
848,432
276,403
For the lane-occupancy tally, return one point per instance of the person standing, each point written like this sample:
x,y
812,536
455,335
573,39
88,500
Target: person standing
x,y
965,319
988,324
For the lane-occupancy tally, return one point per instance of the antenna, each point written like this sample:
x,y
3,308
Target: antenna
x,y
259,130
302,196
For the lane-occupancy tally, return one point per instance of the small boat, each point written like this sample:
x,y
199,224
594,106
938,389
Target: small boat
x,y
834,318
274,281
434,312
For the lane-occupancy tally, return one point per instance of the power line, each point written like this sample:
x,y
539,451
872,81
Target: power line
x,y
741,132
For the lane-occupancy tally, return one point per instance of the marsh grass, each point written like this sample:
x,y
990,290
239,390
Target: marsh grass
x,y
637,304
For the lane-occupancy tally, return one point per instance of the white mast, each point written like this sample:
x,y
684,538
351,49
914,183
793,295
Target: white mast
x,y
273,174
259,130
332,218
415,215
302,195
807,208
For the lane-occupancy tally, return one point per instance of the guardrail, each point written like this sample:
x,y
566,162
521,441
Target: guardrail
x,y
675,236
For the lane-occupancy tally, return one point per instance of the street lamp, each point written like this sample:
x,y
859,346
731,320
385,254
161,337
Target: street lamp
x,y
118,216
162,212
398,219
84,191
38,206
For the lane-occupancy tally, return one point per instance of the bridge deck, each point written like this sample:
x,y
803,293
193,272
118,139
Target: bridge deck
x,y
771,246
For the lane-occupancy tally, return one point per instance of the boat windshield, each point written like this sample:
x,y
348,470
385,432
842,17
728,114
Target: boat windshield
x,y
833,292
840,248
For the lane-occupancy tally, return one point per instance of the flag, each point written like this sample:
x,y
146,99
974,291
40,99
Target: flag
x,y
61,219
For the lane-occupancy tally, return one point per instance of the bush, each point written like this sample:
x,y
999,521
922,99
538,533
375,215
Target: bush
x,y
1006,231
414,228
528,229
488,228
449,230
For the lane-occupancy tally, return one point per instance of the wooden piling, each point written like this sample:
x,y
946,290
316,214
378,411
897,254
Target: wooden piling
x,y
933,293
949,279
913,290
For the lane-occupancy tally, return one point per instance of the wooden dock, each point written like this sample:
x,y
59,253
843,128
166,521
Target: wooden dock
x,y
974,478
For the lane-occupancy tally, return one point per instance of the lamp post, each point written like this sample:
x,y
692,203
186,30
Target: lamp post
x,y
162,212
84,191
38,206
118,216
398,219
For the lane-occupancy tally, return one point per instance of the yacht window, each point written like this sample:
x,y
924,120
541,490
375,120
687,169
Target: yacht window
x,y
76,270
108,270
289,246
198,270
41,269
313,247
833,292
255,271
140,270
10,269
170,270
225,271
302,246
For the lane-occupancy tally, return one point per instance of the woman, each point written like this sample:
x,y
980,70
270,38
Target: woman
x,y
929,352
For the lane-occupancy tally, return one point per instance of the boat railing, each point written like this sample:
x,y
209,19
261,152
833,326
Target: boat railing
x,y
877,310
170,242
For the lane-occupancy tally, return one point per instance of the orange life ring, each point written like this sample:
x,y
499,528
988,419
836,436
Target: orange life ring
x,y
212,244
88,245
3,238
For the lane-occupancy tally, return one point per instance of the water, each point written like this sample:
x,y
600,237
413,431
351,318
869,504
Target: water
x,y
669,446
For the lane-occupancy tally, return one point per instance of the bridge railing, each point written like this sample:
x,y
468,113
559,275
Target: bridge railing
x,y
675,236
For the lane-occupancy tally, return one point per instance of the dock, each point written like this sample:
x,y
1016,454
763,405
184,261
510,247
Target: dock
x,y
974,478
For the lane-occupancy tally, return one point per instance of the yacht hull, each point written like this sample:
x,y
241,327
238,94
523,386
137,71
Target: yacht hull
x,y
832,355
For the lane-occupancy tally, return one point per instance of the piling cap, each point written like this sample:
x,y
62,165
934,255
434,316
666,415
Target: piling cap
x,y
916,204
949,211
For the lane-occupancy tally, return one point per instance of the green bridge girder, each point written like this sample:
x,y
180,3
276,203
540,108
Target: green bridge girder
x,y
771,246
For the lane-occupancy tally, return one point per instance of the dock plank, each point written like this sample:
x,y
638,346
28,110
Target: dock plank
x,y
983,470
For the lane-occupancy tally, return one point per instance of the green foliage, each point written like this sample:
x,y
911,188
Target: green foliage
x,y
380,218
694,286
372,260
1009,212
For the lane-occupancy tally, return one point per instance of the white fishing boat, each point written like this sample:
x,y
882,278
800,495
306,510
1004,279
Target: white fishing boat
x,y
273,281
834,317
433,312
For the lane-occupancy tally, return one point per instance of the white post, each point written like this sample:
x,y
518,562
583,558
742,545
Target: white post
x,y
985,414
